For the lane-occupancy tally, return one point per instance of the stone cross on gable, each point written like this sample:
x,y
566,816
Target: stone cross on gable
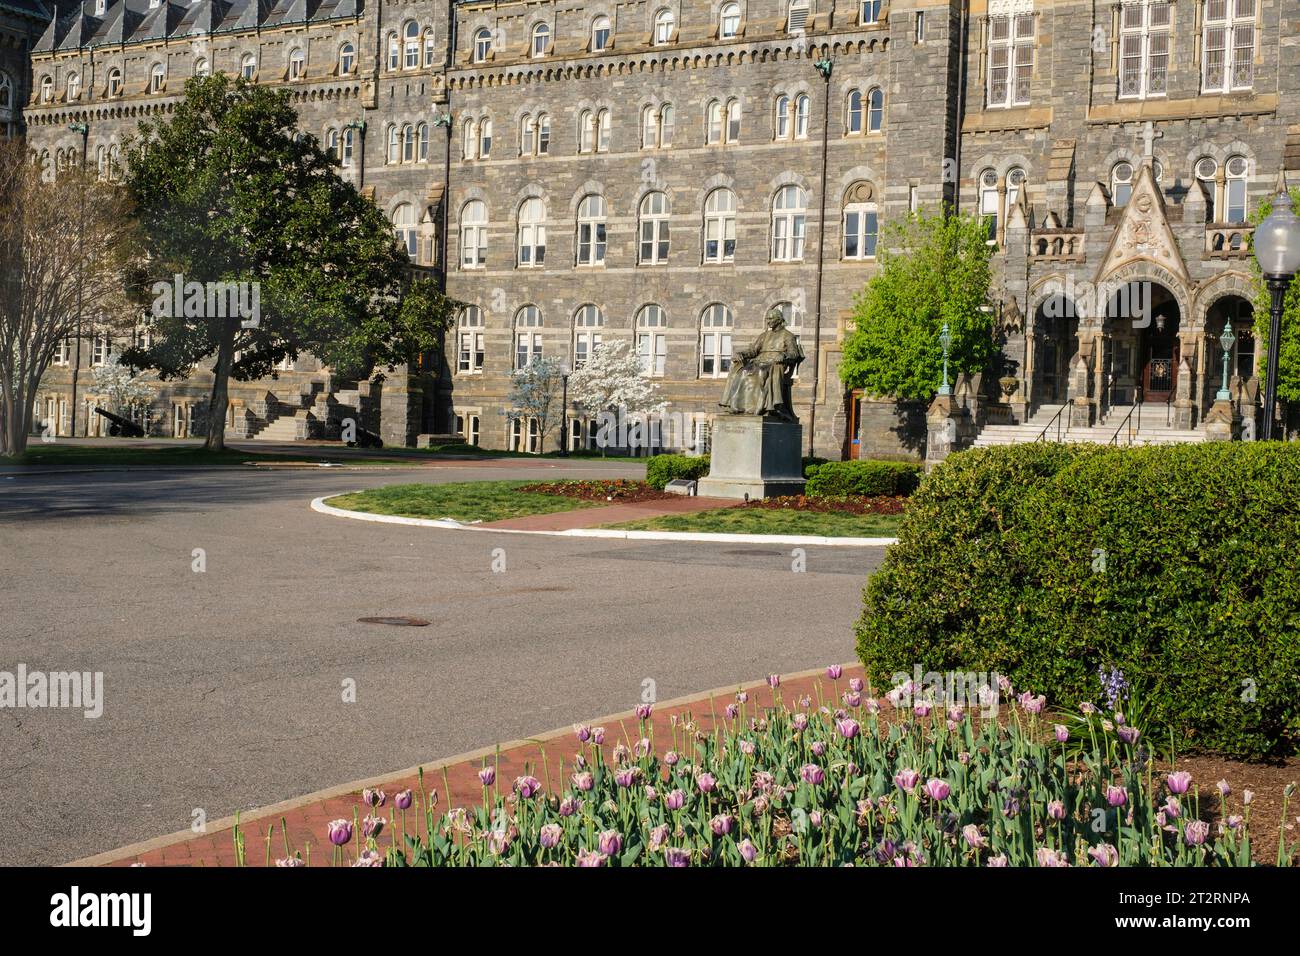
x,y
1149,136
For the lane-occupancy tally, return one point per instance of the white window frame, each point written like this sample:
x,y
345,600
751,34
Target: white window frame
x,y
1011,42
1144,49
530,250
652,340
729,21
1230,25
588,332
470,341
719,226
473,235
653,235
789,223
591,239
716,324
862,228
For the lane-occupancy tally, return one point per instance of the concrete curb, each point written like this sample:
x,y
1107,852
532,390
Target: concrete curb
x,y
355,786
318,504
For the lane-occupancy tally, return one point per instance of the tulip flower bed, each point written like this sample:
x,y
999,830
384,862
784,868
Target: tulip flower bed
x,y
844,781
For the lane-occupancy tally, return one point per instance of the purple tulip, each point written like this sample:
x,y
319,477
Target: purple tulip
x,y
1224,789
998,860
774,681
583,732
527,786
855,684
287,861
658,836
340,832
732,711
584,781
742,697
1247,797
1056,810
848,728
819,748
369,858
1051,858
568,806
675,800
625,777
1195,832
1180,781
671,758
706,782
971,834
372,825
835,672
813,774
1032,704
1128,734
1103,854
1116,796
1088,708
643,711
403,800
1062,733
676,857
550,835
1173,808
851,699
937,789
611,842
587,859
746,747
922,708
799,721
872,705
598,735
748,852
721,824
374,798
488,775
907,779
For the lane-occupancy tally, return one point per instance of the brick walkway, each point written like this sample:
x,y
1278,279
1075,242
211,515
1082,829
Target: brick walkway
x,y
610,514
548,757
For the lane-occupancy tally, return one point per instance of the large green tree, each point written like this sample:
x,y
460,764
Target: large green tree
x,y
229,192
1288,357
933,269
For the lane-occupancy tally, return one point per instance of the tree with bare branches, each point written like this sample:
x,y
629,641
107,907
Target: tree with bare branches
x,y
67,247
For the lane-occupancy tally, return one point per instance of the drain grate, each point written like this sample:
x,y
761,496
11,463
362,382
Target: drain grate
x,y
395,621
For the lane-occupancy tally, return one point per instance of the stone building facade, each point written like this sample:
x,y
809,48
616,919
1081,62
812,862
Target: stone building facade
x,y
664,172
21,24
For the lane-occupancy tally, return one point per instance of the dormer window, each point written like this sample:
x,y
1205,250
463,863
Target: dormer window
x,y
248,66
100,7
729,21
600,34
347,59
297,65
482,45
541,39
74,85
114,82
157,78
47,90
665,23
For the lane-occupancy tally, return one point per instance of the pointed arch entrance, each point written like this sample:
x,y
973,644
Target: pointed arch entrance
x,y
1142,351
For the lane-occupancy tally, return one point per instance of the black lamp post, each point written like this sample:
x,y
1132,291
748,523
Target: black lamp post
x,y
564,413
1277,249
84,130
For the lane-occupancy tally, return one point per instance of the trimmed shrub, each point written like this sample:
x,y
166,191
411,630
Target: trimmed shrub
x,y
811,463
838,478
1044,563
661,469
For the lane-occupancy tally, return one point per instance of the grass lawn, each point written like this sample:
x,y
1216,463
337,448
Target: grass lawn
x,y
830,524
462,500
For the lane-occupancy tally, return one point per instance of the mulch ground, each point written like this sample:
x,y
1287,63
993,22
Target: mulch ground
x,y
615,489
854,505
306,819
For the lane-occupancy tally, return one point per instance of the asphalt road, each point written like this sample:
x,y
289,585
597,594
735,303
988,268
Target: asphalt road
x,y
223,689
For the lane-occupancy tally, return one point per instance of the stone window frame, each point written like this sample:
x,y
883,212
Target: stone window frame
x,y
588,324
599,223
728,226
1012,14
540,29
654,358
720,20
477,230
347,49
795,236
412,45
298,55
530,234
660,242
1230,23
658,35
1143,33
593,29
716,330
46,87
861,199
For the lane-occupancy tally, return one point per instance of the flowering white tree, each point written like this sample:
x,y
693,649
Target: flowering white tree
x,y
119,387
612,381
535,393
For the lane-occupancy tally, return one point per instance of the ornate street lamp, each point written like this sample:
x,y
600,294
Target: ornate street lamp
x,y
1277,249
945,343
1227,340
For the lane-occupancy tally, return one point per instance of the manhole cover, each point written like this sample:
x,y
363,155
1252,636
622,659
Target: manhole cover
x,y
394,621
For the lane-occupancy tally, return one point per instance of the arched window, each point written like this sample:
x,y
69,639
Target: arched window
x,y
1235,189
201,67
1121,184
394,154
781,128
473,234
482,44
715,341
802,106
528,341
587,323
406,229
869,11
789,214
410,45
332,145
602,131
408,143
469,140
875,110
101,162
297,64
861,223
348,141
732,131
534,135
430,48
854,120
114,82
989,200
394,47
469,352
422,142
600,34
74,85
586,131
47,89
484,138
347,59
541,40
729,21
1015,180
666,121
591,231
653,247
649,127
532,233
720,226
157,78
797,16
248,66
651,340
713,122
6,91
664,27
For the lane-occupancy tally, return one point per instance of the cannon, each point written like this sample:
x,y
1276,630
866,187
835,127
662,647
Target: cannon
x,y
366,439
119,425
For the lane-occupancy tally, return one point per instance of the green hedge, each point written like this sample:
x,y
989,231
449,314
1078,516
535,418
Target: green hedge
x,y
1179,565
661,469
836,478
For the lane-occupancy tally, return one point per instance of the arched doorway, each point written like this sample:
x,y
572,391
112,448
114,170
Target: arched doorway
x,y
1243,380
1056,341
1141,346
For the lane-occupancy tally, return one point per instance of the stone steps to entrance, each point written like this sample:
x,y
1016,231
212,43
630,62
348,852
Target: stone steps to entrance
x,y
1154,429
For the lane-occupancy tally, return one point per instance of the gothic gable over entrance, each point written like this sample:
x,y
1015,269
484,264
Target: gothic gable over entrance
x,y
1143,236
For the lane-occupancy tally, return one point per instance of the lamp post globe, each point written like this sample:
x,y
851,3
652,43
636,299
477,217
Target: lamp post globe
x,y
1277,249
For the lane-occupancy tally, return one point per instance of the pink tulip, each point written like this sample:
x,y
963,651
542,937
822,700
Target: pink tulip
x,y
835,672
937,789
340,832
1116,796
907,779
1180,781
488,775
1103,854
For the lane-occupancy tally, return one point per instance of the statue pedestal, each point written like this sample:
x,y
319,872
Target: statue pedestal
x,y
1223,423
755,456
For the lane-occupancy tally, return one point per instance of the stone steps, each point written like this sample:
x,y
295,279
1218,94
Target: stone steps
x,y
1154,429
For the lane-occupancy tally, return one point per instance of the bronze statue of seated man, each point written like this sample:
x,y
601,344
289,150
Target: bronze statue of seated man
x,y
762,375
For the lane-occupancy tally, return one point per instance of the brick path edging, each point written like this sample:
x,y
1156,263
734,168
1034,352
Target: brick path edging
x,y
285,807
319,505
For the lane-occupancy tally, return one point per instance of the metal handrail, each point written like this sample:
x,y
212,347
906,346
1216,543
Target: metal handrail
x,y
1056,419
1114,439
